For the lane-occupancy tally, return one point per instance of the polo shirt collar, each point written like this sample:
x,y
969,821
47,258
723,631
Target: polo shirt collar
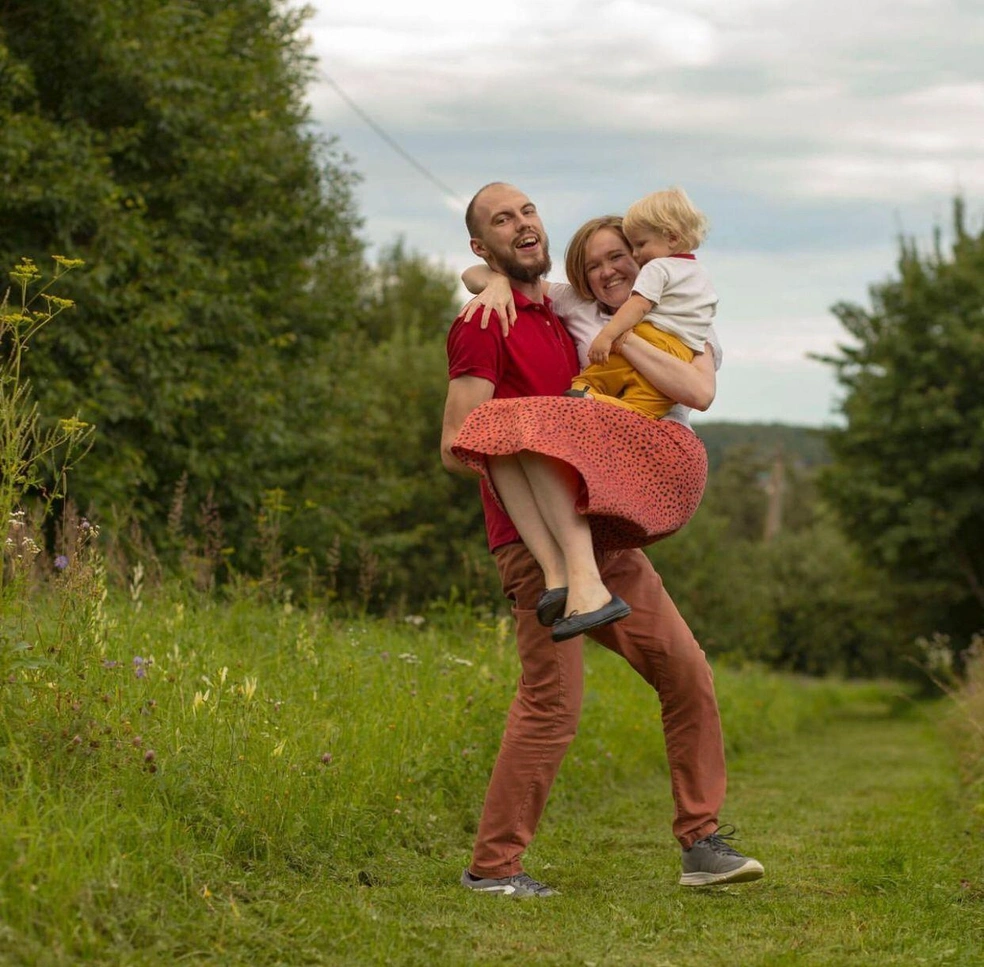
x,y
522,302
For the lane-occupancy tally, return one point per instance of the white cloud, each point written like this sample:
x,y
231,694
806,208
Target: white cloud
x,y
809,129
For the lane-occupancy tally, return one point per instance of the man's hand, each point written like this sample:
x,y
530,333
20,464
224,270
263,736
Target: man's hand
x,y
600,348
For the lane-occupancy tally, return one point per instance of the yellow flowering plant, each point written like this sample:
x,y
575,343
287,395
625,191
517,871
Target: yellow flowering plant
x,y
36,453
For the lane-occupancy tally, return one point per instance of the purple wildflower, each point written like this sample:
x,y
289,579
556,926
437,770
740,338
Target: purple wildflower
x,y
139,667
61,562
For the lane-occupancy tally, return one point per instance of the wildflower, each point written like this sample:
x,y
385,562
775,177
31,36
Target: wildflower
x,y
61,562
415,619
67,263
249,688
72,425
150,755
25,272
326,758
140,667
56,304
410,658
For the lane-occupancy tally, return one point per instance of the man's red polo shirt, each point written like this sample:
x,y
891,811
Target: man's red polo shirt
x,y
537,358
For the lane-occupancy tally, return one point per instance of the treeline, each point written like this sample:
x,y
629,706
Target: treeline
x,y
268,403
802,445
244,365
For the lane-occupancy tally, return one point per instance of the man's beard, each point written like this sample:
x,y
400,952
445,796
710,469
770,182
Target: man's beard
x,y
524,271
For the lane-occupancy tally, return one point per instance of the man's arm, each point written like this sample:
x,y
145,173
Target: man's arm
x,y
693,384
464,394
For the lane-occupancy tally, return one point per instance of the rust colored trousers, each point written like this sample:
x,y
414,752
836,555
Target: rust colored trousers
x,y
543,717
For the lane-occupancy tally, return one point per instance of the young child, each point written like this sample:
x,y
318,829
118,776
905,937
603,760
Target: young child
x,y
671,306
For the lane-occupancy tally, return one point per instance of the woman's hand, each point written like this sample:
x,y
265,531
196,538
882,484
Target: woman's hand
x,y
495,297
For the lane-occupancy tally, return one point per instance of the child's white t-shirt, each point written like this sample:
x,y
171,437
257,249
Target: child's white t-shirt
x,y
684,300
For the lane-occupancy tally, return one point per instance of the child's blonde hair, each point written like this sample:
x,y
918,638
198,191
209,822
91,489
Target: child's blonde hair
x,y
668,212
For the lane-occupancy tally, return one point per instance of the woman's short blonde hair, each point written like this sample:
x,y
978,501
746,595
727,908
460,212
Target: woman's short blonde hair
x,y
575,263
668,212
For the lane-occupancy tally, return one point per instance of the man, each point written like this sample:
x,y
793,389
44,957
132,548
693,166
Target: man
x,y
539,358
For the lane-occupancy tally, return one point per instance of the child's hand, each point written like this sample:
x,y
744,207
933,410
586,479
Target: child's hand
x,y
495,297
599,349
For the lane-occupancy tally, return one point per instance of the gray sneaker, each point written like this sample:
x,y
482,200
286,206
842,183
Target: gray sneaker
x,y
711,860
520,885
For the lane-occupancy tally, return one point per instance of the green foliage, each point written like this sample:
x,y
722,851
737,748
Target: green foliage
x,y
802,601
833,615
167,144
376,494
907,472
406,292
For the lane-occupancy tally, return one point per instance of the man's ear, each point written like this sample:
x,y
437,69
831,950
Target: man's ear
x,y
479,249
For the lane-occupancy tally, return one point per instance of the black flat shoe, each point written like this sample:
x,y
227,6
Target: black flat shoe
x,y
577,624
576,393
551,606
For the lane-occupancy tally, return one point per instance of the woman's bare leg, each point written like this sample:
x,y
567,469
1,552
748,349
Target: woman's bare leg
x,y
554,485
514,491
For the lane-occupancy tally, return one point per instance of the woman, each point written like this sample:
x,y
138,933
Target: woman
x,y
576,474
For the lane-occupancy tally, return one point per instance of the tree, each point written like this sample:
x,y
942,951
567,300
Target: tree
x,y
375,491
907,478
168,145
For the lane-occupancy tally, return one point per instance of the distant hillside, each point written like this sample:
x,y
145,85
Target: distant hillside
x,y
802,444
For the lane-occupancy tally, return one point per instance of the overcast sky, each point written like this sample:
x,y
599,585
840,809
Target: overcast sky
x,y
811,133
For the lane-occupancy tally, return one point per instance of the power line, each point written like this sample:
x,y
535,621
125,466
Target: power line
x,y
409,158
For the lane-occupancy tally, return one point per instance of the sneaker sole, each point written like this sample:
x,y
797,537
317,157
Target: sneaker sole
x,y
752,870
506,889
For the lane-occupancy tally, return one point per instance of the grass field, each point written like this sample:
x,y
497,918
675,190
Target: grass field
x,y
184,781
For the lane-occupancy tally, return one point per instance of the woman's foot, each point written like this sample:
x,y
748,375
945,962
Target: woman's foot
x,y
575,624
551,606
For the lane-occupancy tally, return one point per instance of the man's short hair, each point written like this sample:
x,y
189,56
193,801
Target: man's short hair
x,y
471,219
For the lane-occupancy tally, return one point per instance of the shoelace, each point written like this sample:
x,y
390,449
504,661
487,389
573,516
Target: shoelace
x,y
526,880
716,841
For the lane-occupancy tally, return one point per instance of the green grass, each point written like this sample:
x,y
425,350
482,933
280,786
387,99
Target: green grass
x,y
281,788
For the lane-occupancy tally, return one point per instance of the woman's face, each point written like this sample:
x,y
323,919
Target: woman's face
x,y
609,267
